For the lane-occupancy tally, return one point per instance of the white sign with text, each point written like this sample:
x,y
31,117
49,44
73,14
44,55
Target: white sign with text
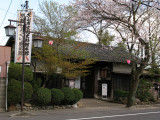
x,y
104,89
19,37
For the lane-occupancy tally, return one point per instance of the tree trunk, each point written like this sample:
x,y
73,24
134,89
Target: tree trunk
x,y
133,88
45,81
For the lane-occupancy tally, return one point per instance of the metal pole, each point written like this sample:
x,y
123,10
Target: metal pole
x,y
23,60
26,4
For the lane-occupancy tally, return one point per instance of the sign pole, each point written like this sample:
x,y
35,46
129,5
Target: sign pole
x,y
23,59
22,98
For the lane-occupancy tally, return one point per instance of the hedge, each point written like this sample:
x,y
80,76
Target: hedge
x,y
43,96
120,95
15,72
28,91
57,96
14,91
78,95
69,96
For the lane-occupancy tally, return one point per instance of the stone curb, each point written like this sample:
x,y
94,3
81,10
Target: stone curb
x,y
145,106
23,114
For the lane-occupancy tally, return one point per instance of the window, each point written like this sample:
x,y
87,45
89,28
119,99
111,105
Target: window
x,y
105,74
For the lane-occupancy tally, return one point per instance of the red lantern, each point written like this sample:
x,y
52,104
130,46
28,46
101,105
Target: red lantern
x,y
50,42
128,61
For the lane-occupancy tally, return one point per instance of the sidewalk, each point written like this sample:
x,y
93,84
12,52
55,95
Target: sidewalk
x,y
88,103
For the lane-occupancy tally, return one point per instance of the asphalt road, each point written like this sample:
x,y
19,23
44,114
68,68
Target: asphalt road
x,y
88,114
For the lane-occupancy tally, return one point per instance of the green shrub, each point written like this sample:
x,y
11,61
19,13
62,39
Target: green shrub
x,y
43,96
36,84
28,91
144,95
39,82
14,92
143,91
57,96
78,95
68,95
120,95
15,72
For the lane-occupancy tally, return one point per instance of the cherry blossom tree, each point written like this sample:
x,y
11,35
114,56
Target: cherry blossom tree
x,y
136,23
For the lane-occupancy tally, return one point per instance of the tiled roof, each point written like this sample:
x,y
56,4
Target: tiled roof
x,y
98,52
107,53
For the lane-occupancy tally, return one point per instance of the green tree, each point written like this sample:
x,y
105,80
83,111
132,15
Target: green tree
x,y
69,58
55,20
56,23
106,38
154,51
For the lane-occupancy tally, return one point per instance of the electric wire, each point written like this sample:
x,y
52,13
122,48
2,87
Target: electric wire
x,y
4,19
3,39
13,18
6,10
6,14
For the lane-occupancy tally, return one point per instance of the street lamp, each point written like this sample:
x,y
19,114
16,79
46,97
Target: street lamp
x,y
37,42
10,30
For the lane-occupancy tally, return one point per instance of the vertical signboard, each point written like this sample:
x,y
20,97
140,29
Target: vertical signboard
x,y
104,90
22,15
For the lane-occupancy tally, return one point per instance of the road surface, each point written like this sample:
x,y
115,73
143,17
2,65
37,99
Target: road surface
x,y
89,114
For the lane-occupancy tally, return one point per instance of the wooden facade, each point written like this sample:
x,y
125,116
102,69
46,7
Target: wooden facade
x,y
101,73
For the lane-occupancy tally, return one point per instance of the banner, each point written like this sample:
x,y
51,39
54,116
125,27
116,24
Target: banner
x,y
22,15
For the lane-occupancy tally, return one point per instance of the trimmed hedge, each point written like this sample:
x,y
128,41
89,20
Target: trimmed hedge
x,y
69,96
78,95
14,91
28,91
43,96
57,96
15,72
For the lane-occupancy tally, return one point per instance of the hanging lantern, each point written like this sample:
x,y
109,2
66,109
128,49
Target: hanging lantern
x,y
128,61
50,42
10,30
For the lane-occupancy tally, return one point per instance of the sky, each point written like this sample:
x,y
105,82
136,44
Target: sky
x,y
8,10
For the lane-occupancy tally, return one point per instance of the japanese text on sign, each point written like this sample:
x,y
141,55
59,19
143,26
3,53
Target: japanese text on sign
x,y
22,16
